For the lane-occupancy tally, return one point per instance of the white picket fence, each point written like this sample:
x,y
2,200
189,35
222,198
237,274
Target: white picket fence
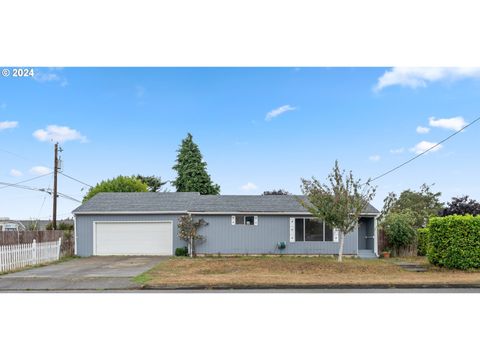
x,y
14,257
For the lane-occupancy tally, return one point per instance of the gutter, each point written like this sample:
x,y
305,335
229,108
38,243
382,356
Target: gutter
x,y
203,213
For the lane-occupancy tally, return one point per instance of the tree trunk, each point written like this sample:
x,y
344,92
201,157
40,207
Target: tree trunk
x,y
340,251
191,247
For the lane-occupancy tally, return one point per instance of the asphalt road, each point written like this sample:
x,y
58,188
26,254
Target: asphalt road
x,y
93,273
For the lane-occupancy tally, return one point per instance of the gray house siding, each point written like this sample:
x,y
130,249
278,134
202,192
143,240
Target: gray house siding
x,y
84,229
222,237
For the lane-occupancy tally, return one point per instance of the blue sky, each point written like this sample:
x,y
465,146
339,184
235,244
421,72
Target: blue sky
x,y
258,128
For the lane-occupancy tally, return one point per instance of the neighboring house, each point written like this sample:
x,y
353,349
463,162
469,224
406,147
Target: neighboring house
x,y
10,225
20,225
146,224
42,224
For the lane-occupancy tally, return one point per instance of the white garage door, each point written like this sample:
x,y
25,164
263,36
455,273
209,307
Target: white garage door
x,y
133,238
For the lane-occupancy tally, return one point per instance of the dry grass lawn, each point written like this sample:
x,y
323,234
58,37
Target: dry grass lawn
x,y
244,271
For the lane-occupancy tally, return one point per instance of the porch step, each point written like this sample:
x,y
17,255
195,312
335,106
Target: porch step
x,y
366,254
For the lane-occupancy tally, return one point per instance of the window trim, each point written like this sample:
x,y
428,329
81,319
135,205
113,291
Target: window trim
x,y
244,217
314,241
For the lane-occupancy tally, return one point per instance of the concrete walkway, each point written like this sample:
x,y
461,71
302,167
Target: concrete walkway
x,y
93,273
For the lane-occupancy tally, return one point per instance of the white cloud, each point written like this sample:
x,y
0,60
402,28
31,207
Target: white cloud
x,y
15,173
249,186
278,111
397,151
455,123
40,170
425,145
58,133
423,130
414,77
50,75
8,125
374,158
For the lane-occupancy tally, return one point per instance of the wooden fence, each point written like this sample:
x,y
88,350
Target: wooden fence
x,y
410,250
26,237
13,257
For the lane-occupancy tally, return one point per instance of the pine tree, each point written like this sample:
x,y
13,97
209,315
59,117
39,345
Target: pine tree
x,y
192,170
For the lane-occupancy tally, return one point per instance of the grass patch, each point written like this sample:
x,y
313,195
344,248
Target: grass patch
x,y
142,278
252,271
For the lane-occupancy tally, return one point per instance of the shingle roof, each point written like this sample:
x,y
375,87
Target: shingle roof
x,y
137,202
194,202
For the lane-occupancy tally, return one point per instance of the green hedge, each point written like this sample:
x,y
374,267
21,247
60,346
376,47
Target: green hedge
x,y
422,241
454,241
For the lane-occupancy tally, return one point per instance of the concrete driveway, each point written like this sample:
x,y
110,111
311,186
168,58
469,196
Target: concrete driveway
x,y
93,273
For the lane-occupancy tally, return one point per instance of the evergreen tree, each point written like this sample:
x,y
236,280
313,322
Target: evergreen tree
x,y
192,170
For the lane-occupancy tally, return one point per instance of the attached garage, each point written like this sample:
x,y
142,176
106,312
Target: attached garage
x,y
133,238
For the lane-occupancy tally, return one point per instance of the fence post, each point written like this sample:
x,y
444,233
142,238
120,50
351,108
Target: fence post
x,y
59,247
34,252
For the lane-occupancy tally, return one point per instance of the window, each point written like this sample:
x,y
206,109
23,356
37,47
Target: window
x,y
239,220
299,230
307,229
313,230
245,220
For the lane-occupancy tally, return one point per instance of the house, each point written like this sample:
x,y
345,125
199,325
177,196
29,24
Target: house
x,y
21,225
10,225
146,224
42,225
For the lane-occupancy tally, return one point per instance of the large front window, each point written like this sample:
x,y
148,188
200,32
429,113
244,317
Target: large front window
x,y
308,229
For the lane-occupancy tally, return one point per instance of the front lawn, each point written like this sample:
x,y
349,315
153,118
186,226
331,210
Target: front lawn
x,y
284,271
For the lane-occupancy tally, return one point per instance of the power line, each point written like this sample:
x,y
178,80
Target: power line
x,y
14,154
21,182
48,191
68,197
424,152
24,187
79,181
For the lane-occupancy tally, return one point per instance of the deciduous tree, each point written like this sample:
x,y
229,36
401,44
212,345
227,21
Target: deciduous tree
x,y
276,192
462,205
118,184
423,204
188,230
339,203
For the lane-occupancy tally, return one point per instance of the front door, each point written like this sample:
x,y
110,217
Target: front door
x,y
366,234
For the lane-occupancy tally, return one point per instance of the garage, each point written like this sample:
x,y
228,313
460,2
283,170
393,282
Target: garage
x,y
133,238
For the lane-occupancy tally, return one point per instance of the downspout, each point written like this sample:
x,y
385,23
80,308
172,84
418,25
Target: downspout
x,y
75,233
375,234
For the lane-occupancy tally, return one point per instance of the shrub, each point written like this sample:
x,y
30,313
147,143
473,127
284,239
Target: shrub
x,y
454,241
422,241
183,251
60,226
399,229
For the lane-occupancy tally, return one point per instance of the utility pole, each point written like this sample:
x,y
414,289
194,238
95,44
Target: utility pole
x,y
55,189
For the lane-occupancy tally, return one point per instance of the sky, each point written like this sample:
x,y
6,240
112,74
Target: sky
x,y
258,128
